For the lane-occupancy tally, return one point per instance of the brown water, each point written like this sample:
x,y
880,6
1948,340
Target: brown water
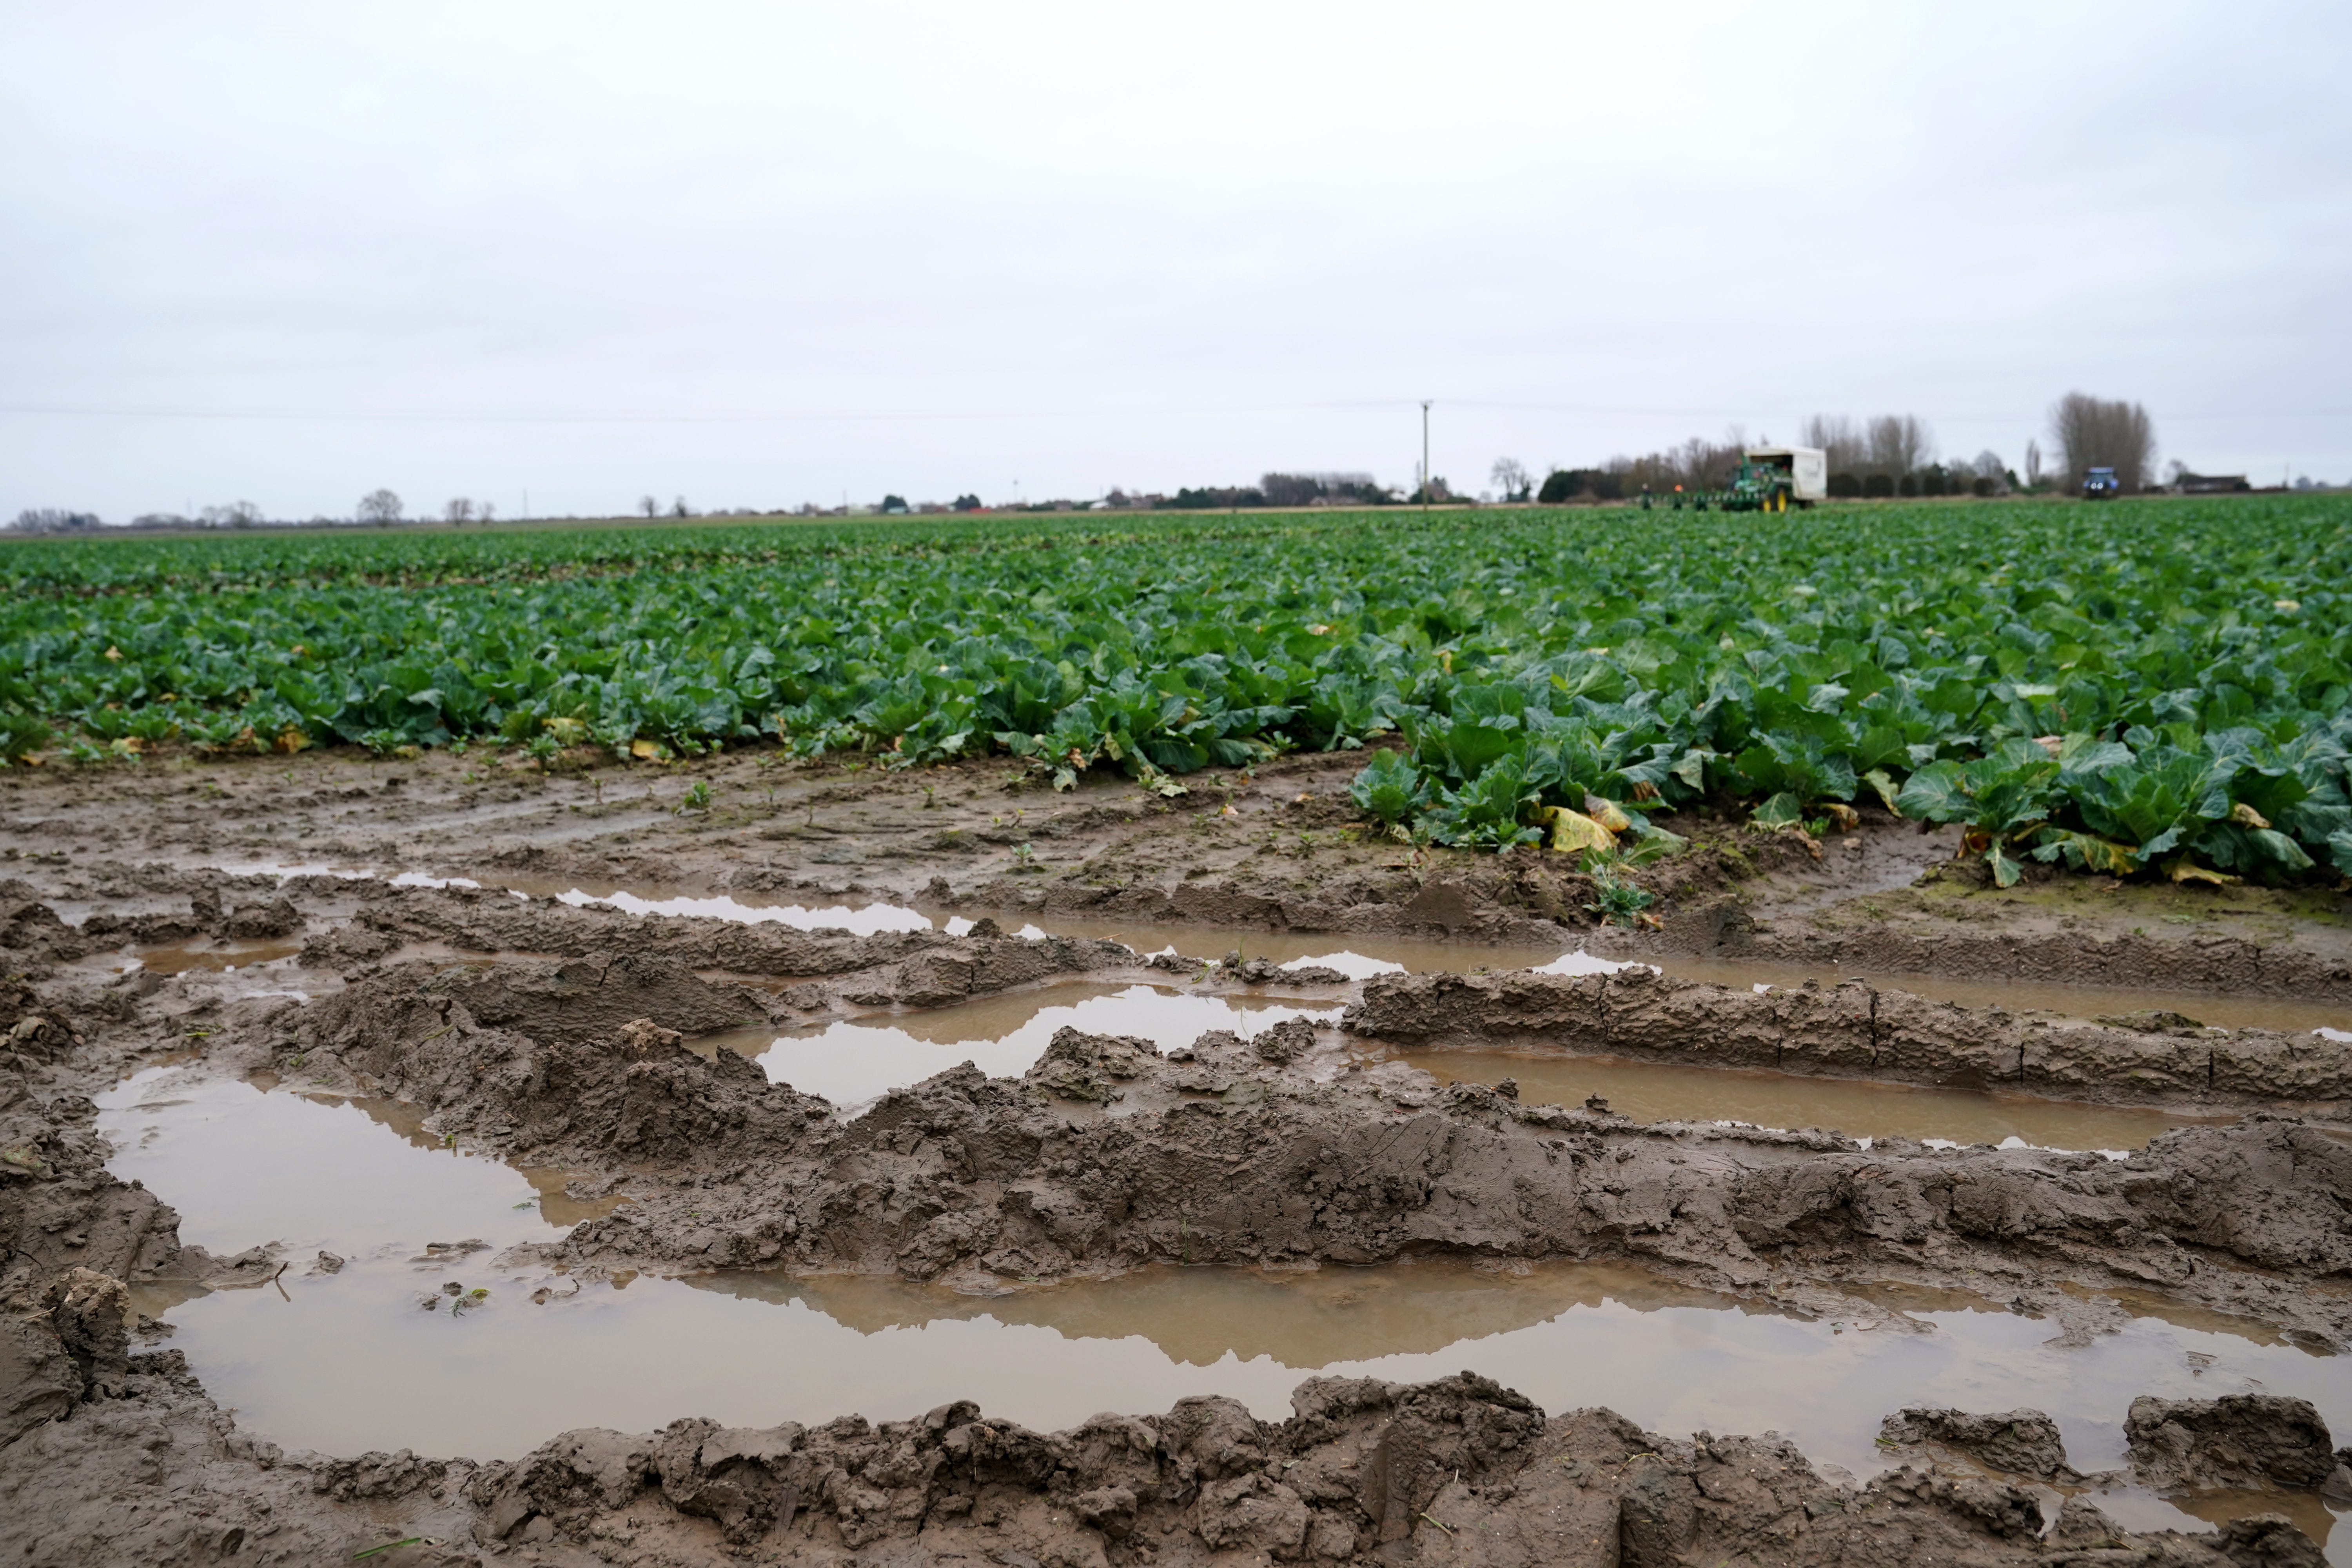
x,y
854,1062
200,953
1356,954
1661,1091
1363,955
352,1360
246,1165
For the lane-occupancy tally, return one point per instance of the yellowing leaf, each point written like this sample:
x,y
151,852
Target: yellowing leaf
x,y
2186,870
1572,831
114,653
2090,852
2246,814
1844,815
290,741
1607,813
1881,781
647,751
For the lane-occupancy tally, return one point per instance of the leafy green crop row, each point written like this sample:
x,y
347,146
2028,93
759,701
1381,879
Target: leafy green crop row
x,y
2156,681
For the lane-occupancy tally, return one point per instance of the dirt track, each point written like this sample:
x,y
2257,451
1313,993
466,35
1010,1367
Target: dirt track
x,y
559,1034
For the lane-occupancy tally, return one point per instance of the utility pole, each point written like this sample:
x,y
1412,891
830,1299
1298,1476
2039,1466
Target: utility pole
x,y
1424,454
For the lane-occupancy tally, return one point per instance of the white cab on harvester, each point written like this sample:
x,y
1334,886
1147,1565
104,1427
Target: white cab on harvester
x,y
1805,471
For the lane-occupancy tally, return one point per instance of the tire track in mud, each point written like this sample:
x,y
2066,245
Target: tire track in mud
x,y
1105,1153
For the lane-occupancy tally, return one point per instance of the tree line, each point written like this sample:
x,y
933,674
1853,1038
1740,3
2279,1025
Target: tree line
x,y
1888,454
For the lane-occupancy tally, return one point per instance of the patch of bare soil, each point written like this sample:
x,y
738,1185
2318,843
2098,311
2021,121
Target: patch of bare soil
x,y
562,1035
1459,1470
1856,1029
1275,848
1107,1156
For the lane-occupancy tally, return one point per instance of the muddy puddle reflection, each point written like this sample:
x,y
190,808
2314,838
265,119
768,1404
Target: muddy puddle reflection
x,y
372,1356
351,1361
246,1165
852,1062
1661,1091
200,953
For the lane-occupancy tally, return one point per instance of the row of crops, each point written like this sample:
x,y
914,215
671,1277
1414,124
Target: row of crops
x,y
2149,684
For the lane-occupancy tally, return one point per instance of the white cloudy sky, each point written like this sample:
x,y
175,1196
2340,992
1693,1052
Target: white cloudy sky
x,y
763,254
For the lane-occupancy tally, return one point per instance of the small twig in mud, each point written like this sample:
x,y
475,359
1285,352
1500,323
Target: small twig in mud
x,y
274,1278
391,1546
1440,1523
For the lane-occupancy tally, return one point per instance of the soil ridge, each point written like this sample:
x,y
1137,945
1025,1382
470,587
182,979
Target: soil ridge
x,y
1856,1029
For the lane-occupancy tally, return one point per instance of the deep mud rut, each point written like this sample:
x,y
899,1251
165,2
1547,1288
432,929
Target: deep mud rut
x,y
713,1055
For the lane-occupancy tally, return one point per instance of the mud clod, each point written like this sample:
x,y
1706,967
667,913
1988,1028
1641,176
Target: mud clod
x,y
2249,1440
2023,1442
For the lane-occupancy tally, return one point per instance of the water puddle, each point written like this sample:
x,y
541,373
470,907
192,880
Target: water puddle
x,y
861,919
200,953
349,1362
1357,956
852,1062
246,1165
1663,1092
2287,1014
444,1350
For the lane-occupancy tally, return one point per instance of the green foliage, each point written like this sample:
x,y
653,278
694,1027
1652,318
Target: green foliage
x,y
1615,900
21,735
1490,811
1389,788
2182,658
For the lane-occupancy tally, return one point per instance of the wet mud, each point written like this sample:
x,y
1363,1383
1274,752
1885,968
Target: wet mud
x,y
1857,1029
1859,1108
1120,1093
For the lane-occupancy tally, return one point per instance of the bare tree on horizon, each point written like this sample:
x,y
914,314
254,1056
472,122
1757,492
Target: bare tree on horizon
x,y
2095,433
1900,444
1510,477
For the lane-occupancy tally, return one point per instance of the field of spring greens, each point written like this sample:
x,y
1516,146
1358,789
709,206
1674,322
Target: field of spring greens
x,y
2147,684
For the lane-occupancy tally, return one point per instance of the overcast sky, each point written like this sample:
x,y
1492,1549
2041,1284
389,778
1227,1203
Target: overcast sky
x,y
758,254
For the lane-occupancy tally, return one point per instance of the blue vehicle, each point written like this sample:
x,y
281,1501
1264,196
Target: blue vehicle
x,y
2101,484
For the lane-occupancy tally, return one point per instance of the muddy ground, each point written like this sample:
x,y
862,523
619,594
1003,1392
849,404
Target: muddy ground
x,y
1279,848
553,1033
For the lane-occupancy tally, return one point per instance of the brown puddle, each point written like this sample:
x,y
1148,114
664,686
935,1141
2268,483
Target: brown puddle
x,y
1357,955
179,957
354,1359
1663,1092
854,1062
246,1164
